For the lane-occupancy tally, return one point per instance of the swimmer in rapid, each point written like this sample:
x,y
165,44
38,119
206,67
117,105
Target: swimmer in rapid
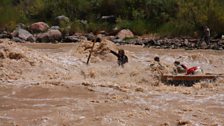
x,y
121,57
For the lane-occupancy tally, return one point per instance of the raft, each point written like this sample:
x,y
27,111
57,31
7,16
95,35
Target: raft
x,y
187,80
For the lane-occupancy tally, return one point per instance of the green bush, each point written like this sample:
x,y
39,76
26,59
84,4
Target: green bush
x,y
166,17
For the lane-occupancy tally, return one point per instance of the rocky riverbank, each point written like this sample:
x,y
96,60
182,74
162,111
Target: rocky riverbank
x,y
59,32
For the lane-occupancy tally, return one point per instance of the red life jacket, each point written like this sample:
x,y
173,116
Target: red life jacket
x,y
191,70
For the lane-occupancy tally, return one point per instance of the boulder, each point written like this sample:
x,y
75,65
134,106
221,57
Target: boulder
x,y
61,19
90,36
42,37
39,27
54,35
71,39
22,34
5,34
125,33
64,23
50,36
55,27
21,25
16,39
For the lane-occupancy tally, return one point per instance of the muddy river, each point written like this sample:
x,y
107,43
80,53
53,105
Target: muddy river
x,y
50,85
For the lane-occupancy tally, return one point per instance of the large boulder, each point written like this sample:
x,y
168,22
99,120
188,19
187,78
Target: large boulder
x,y
23,34
39,27
125,33
64,23
42,37
62,19
50,36
54,35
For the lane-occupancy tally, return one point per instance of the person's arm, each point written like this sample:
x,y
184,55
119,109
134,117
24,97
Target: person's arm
x,y
126,58
116,54
182,65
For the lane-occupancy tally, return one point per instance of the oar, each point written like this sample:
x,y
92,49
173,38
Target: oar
x,y
90,53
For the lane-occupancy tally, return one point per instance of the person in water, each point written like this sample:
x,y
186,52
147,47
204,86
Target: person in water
x,y
181,68
121,57
156,64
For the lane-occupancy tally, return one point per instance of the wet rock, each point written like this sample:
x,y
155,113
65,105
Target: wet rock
x,y
54,35
135,41
149,43
62,19
64,23
31,39
119,41
180,43
21,25
49,36
90,36
125,33
55,27
42,37
71,39
22,34
186,42
39,27
5,34
16,39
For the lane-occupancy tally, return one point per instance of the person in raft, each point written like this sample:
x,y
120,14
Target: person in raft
x,y
181,69
121,57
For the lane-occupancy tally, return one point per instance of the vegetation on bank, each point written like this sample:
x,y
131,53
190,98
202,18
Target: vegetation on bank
x,y
165,17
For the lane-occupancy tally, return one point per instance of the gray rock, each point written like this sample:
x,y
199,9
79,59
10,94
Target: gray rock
x,y
55,28
64,23
22,34
5,34
42,37
49,36
71,39
90,36
16,39
21,25
62,18
31,39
